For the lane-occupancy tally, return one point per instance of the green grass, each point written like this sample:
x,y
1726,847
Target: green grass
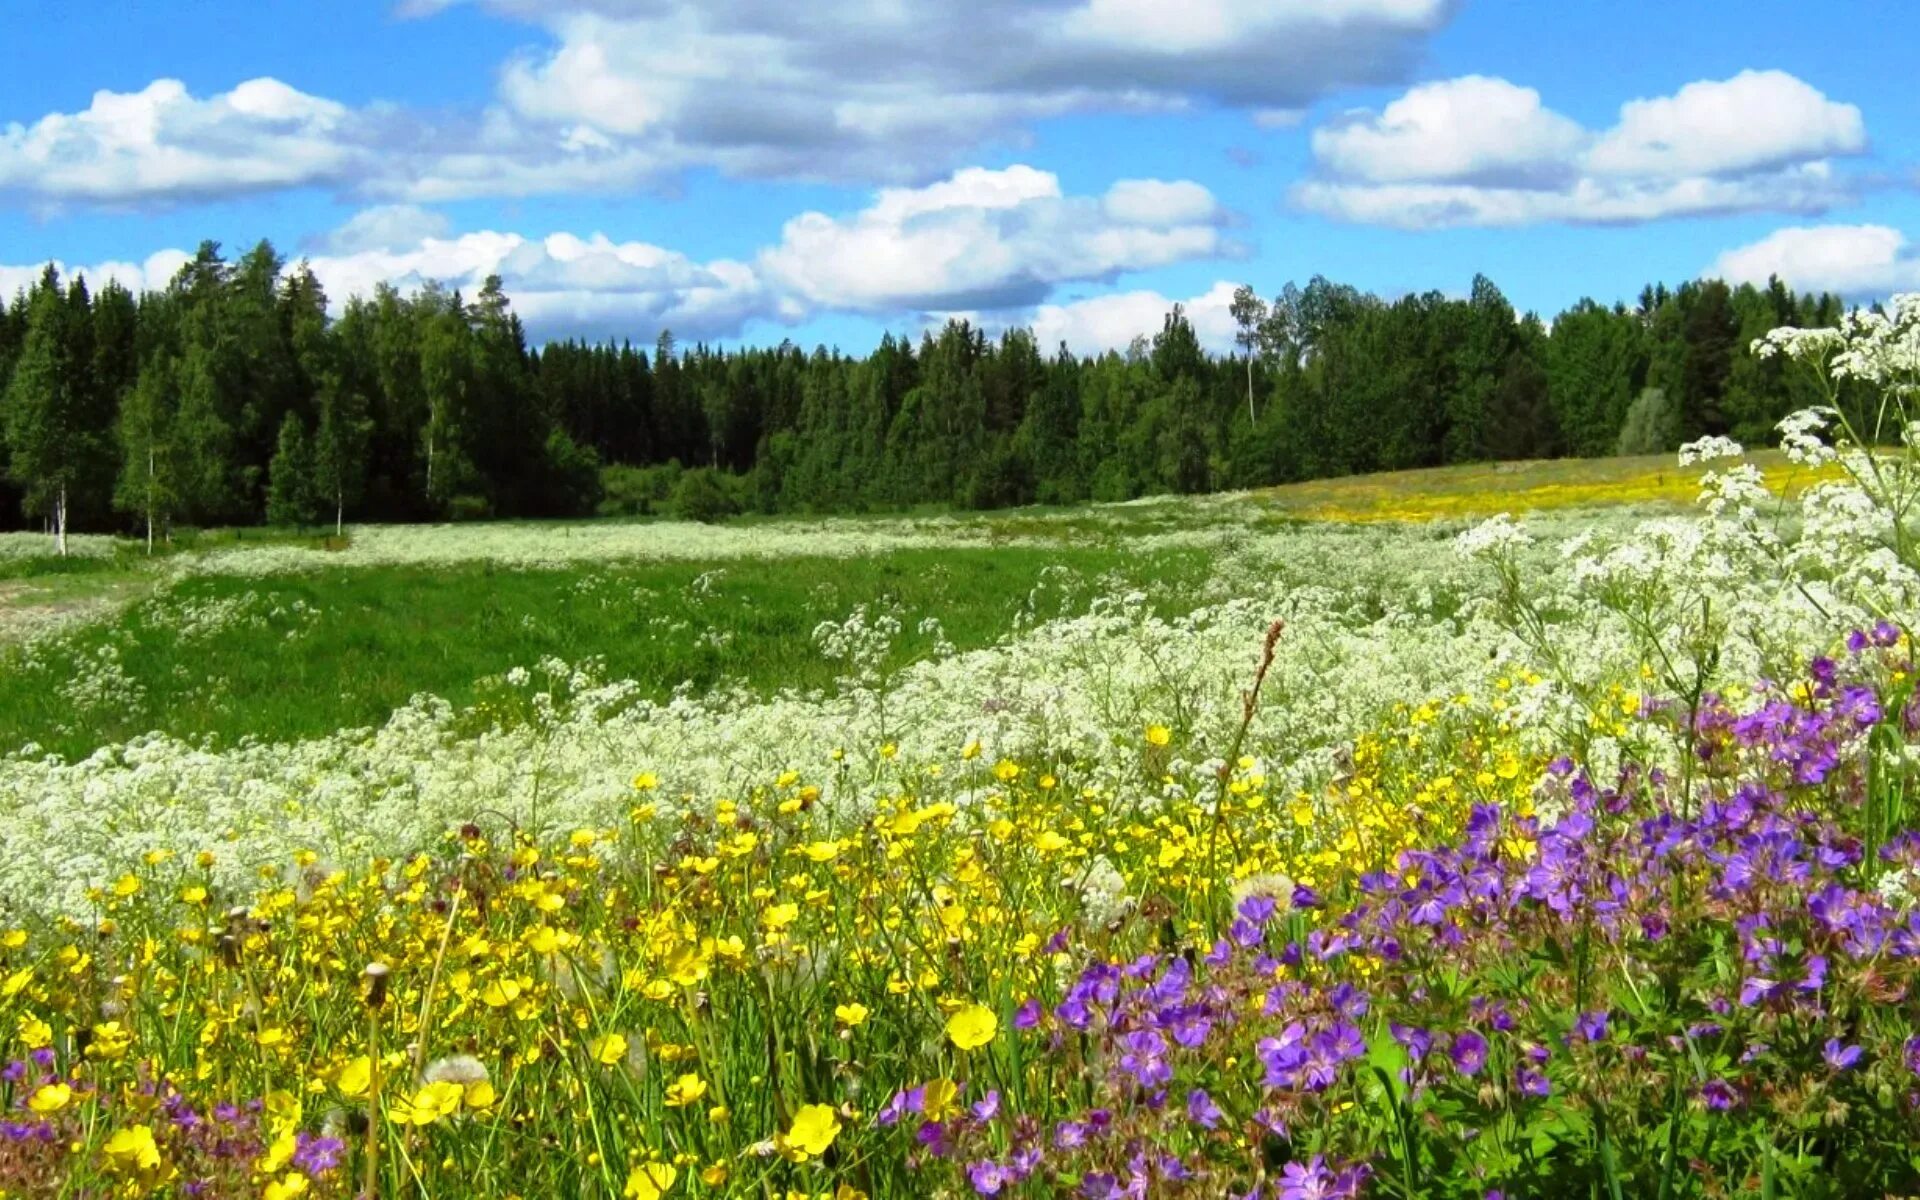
x,y
316,652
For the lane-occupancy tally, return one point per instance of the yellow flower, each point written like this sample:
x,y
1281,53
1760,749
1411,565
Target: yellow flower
x,y
479,1095
16,982
972,1027
608,1050
133,1150
649,1181
645,781
280,1152
1158,735
354,1077
499,993
814,1128
685,1090
432,1102
542,939
779,916
50,1099
126,885
938,1098
850,1014
286,1188
33,1032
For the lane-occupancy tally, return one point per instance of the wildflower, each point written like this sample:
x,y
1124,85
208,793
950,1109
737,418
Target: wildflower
x,y
685,1090
850,1015
50,1099
1201,1109
814,1129
972,1027
608,1050
431,1103
133,1151
1838,1056
987,1177
354,1077
649,1181
1158,735
287,1187
1469,1052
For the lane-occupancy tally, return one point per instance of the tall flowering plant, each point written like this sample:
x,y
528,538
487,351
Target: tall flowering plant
x,y
1642,990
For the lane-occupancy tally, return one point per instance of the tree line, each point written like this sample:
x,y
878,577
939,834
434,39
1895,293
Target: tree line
x,y
234,396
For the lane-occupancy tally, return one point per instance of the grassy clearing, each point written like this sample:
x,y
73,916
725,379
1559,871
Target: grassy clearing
x,y
301,655
1483,489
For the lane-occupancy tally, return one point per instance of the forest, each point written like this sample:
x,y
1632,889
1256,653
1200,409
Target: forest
x,y
236,395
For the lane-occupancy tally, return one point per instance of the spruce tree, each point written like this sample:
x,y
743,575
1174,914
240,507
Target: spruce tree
x,y
290,492
46,444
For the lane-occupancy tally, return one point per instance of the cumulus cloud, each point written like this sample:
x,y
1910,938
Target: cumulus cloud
x,y
163,143
1097,324
1754,121
990,239
1461,130
1483,151
1859,261
385,227
150,274
896,90
565,285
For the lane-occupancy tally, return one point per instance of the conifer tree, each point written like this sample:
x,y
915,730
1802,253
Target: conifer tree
x,y
46,443
290,492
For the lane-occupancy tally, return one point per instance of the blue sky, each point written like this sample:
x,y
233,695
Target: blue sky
x,y
753,170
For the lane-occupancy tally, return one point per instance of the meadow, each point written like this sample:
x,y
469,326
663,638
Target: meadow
x,y
1541,830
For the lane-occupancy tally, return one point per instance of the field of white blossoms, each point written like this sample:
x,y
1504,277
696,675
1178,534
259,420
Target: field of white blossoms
x,y
1188,847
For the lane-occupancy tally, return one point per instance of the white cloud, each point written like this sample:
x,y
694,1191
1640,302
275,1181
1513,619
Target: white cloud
x,y
151,274
564,285
1853,260
1471,128
1482,151
1756,120
1110,322
895,90
1811,188
163,143
990,239
385,227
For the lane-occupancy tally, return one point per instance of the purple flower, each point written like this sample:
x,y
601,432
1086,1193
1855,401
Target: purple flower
x,y
1201,1109
1307,1181
1027,1015
988,1106
1591,1027
1719,1094
1840,1057
1258,909
987,1177
1531,1082
1099,1185
318,1155
1469,1052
